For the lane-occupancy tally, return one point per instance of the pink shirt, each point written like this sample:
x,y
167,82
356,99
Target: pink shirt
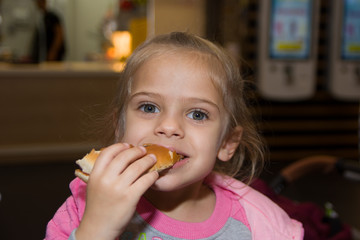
x,y
263,217
227,220
267,220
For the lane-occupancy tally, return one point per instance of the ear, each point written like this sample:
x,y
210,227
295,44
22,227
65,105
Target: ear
x,y
230,144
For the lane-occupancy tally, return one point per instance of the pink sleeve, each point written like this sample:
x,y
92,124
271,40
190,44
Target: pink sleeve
x,y
69,215
275,223
266,219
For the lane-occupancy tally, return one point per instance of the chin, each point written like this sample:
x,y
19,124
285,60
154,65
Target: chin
x,y
167,183
163,184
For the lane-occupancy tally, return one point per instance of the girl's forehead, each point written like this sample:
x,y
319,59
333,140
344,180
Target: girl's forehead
x,y
184,54
207,63
165,51
203,63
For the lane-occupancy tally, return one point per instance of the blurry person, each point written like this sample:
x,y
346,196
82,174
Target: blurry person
x,y
49,41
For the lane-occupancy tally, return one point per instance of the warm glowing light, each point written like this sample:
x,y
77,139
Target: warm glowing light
x,y
122,44
110,53
118,66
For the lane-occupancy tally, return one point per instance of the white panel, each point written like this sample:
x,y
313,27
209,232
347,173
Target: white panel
x,y
343,74
286,78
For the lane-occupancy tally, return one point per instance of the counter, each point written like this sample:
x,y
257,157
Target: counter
x,y
48,111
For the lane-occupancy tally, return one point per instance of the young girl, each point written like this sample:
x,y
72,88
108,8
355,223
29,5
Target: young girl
x,y
185,93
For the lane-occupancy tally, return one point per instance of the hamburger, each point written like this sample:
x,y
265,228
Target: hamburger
x,y
165,159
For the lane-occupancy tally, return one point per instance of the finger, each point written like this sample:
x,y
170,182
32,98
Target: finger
x,y
107,155
135,170
123,160
145,182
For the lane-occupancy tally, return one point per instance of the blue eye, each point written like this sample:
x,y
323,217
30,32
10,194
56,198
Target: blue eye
x,y
149,108
198,115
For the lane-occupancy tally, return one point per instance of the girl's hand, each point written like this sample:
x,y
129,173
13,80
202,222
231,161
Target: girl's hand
x,y
115,186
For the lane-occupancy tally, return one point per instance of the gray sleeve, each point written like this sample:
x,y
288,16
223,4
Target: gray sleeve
x,y
72,235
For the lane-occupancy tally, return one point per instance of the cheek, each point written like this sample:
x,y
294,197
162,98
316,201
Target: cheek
x,y
208,140
130,127
136,129
129,135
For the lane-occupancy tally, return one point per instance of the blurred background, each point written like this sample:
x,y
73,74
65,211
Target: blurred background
x,y
60,60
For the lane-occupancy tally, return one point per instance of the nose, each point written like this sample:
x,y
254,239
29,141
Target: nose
x,y
170,126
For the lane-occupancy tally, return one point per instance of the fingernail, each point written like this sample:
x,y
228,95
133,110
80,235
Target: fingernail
x,y
142,149
153,157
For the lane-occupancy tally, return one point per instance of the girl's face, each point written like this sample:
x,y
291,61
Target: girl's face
x,y
174,103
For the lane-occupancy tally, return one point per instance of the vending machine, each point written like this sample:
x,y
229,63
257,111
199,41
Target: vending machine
x,y
344,50
287,49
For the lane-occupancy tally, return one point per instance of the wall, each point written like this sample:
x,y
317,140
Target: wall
x,y
178,15
83,22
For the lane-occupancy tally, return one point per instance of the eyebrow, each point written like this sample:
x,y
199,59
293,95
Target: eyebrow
x,y
149,94
201,100
192,99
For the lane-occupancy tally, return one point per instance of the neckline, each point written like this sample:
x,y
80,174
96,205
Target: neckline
x,y
187,230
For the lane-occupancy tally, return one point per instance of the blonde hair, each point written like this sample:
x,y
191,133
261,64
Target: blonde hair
x,y
249,157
